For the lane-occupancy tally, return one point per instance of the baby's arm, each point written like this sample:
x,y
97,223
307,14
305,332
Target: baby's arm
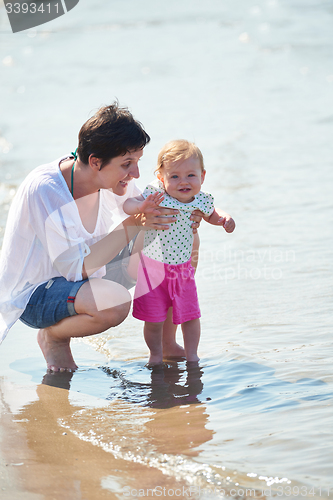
x,y
141,205
221,218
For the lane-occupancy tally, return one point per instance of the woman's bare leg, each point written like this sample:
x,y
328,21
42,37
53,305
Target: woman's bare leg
x,y
100,304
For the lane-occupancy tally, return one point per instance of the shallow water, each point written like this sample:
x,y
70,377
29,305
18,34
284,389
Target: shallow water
x,y
252,84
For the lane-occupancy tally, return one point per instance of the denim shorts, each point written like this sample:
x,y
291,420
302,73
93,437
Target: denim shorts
x,y
53,301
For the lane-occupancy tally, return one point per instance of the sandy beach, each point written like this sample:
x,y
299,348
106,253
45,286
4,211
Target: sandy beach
x,y
45,451
251,85
41,461
61,438
39,458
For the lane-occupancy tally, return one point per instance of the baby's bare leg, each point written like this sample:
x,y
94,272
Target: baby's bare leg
x,y
153,337
170,347
191,333
100,305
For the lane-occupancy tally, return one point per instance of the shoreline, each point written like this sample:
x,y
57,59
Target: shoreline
x,y
115,427
39,460
51,463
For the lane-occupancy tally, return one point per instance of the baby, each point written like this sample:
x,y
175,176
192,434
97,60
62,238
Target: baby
x,y
165,274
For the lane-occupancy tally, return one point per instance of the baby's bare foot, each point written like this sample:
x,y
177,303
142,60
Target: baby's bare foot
x,y
192,358
173,351
57,353
154,360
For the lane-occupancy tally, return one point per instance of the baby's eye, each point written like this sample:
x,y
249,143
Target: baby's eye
x,y
174,176
191,175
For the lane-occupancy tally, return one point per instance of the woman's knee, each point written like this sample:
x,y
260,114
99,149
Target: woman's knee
x,y
97,295
114,316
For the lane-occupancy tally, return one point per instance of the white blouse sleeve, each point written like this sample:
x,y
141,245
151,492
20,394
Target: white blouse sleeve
x,y
55,226
206,203
66,248
151,189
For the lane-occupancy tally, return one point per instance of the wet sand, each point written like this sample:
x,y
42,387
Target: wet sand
x,y
39,459
251,85
42,461
58,442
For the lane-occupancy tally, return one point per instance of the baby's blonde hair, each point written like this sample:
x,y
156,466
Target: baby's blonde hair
x,y
176,150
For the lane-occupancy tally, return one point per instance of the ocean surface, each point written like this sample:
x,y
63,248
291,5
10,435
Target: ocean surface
x,y
251,82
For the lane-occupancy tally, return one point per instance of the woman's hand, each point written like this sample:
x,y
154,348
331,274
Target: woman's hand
x,y
151,204
159,219
196,217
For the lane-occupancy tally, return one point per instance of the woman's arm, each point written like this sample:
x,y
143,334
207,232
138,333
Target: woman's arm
x,y
140,205
131,205
107,248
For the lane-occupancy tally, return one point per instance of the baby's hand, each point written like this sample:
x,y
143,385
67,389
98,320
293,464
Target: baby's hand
x,y
152,202
228,223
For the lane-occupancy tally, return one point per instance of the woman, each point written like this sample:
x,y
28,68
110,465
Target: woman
x,y
65,224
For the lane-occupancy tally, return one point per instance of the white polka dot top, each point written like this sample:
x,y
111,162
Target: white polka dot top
x,y
174,245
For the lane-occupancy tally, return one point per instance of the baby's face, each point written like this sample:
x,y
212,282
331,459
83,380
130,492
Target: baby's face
x,y
182,179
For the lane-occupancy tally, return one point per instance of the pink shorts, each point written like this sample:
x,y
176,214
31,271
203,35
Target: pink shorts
x,y
161,286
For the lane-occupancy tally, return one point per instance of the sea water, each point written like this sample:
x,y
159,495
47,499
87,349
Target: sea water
x,y
252,84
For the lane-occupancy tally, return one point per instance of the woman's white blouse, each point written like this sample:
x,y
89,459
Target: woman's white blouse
x,y
45,237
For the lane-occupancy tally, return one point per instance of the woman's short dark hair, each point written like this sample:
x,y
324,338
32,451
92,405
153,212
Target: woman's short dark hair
x,y
111,132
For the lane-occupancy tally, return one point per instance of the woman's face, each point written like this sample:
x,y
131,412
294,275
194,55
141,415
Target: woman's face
x,y
119,171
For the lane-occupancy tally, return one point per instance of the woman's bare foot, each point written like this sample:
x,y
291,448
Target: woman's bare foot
x,y
57,353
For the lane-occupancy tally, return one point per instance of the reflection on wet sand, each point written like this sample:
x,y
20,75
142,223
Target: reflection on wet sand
x,y
181,427
145,432
60,461
164,389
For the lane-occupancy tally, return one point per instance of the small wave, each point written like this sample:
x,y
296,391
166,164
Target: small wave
x,y
121,430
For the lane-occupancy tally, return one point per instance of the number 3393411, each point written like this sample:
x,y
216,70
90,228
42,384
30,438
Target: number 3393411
x,y
31,8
